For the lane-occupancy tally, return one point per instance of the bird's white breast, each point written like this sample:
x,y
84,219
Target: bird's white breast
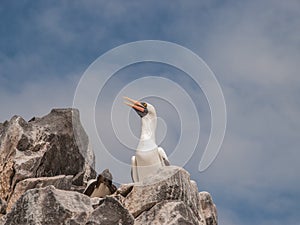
x,y
148,162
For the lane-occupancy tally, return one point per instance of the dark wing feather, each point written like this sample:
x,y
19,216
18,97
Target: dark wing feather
x,y
89,189
131,173
163,156
112,188
166,162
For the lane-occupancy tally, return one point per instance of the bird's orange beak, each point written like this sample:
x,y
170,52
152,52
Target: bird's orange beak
x,y
134,104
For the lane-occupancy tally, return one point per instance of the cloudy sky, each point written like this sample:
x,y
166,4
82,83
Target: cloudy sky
x,y
253,48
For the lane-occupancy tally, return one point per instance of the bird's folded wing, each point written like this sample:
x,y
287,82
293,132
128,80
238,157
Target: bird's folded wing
x,y
90,188
134,173
112,188
163,156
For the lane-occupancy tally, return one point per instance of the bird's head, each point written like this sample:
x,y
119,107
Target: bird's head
x,y
142,108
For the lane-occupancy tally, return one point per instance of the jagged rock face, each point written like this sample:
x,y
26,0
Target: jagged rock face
x,y
168,213
208,208
172,201
3,206
110,211
176,186
55,144
170,190
48,206
62,182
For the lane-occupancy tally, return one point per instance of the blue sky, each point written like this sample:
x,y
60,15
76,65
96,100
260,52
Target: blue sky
x,y
253,47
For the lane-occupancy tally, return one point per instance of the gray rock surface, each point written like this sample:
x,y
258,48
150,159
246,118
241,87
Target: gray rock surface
x,y
110,211
208,208
168,213
62,182
170,183
3,206
49,206
172,201
55,144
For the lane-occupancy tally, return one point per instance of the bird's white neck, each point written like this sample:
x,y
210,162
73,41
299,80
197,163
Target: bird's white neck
x,y
147,139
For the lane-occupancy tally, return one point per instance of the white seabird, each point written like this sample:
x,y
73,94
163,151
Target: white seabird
x,y
101,186
149,157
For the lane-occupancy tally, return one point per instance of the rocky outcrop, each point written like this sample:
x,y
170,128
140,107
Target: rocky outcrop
x,y
3,207
172,201
168,213
170,183
53,145
110,211
168,197
43,166
62,182
208,208
48,206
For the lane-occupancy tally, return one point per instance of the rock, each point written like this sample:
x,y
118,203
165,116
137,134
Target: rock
x,y
170,183
125,189
42,206
2,220
208,208
168,213
53,145
3,127
110,212
6,174
77,180
172,201
3,206
62,182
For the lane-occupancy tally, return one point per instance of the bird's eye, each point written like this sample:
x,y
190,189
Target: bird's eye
x,y
144,104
